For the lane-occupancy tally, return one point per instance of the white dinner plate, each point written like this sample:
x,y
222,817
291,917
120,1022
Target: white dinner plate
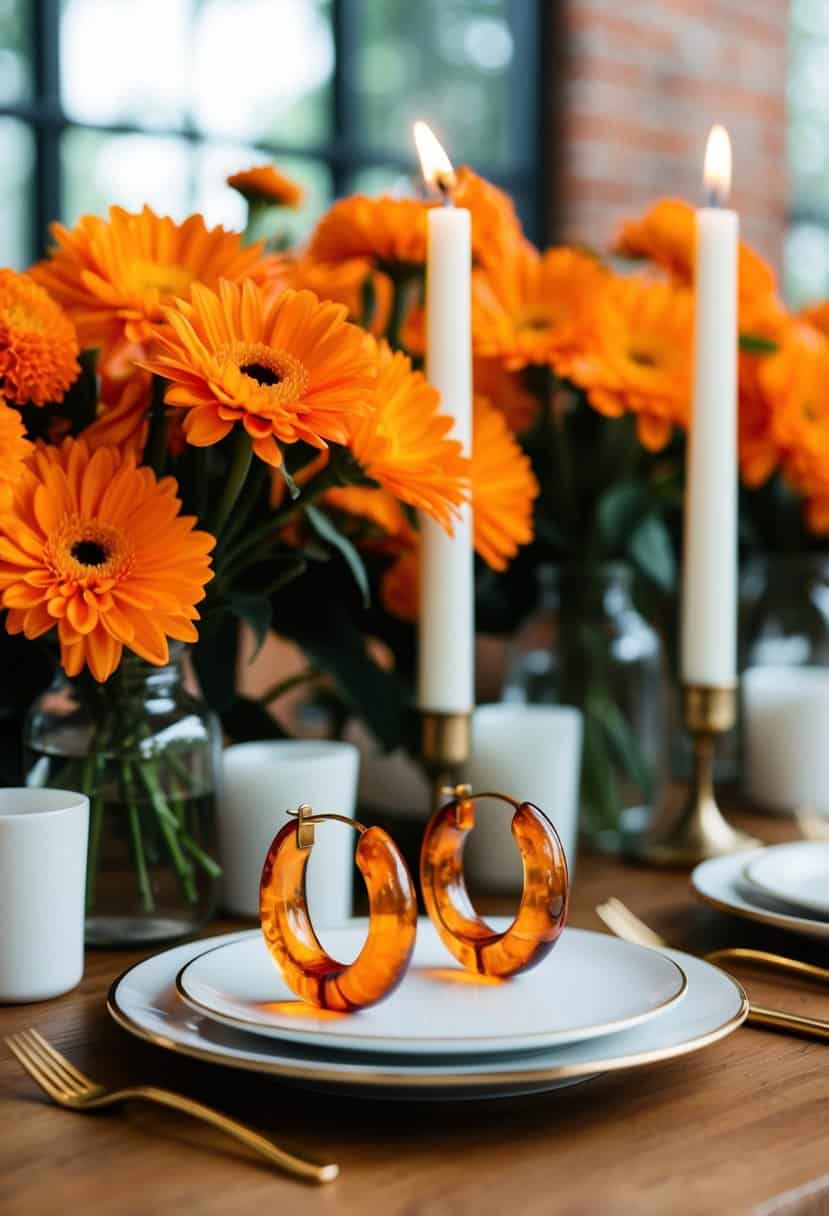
x,y
797,874
590,984
720,883
144,1001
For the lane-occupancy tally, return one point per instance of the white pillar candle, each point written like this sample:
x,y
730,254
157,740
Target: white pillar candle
x,y
447,619
786,726
709,592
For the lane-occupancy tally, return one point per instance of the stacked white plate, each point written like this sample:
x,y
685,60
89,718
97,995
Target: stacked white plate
x,y
594,1005
785,885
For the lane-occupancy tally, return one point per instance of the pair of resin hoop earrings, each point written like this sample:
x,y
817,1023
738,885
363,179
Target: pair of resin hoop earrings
x,y
381,964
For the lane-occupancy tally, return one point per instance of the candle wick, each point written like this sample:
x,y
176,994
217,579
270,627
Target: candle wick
x,y
445,183
712,198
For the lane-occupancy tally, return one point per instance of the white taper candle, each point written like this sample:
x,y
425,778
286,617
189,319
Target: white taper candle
x,y
447,621
709,590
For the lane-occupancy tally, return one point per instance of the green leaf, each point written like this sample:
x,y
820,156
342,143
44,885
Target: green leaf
x,y
619,510
246,720
324,528
754,344
599,796
650,548
214,658
622,740
254,609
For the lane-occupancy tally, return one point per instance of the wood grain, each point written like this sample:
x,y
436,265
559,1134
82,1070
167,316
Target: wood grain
x,y
723,1131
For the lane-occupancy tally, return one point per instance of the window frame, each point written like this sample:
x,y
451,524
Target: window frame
x,y
536,25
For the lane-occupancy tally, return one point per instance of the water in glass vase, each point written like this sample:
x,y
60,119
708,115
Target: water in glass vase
x,y
145,751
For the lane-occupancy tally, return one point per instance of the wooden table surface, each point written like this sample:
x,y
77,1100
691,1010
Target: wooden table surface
x,y
742,1126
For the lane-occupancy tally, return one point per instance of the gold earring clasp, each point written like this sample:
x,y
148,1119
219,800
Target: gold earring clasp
x,y
306,818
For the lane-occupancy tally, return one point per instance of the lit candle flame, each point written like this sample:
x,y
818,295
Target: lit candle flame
x,y
716,173
435,165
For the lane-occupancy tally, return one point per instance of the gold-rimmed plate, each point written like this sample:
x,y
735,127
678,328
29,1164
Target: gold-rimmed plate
x,y
720,882
144,1002
590,985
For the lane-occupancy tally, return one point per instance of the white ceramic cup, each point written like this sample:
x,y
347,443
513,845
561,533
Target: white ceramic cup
x,y
533,753
786,734
260,782
43,836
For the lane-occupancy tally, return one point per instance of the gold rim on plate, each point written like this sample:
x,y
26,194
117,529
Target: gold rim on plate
x,y
389,1080
234,1022
777,920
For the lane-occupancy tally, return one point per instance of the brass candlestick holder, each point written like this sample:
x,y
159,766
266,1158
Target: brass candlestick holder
x,y
444,749
700,831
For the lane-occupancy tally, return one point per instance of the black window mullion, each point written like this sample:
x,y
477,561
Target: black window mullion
x,y
345,94
46,23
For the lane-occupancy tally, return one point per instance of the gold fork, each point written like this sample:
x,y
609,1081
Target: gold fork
x,y
625,924
68,1086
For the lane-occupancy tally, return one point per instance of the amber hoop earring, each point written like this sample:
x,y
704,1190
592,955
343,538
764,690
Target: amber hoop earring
x,y
307,969
543,910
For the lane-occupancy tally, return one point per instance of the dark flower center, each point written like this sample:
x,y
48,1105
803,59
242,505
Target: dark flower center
x,y
260,373
89,553
642,357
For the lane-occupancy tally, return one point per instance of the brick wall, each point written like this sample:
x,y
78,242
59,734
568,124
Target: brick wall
x,y
642,81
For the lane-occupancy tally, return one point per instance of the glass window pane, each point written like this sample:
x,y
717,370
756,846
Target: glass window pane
x,y
382,179
130,170
17,156
453,63
806,264
126,61
15,51
262,70
221,205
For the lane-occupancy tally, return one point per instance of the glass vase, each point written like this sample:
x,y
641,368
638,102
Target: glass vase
x,y
788,624
146,753
589,646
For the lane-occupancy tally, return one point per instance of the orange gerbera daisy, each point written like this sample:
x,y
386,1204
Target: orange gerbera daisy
x,y
640,359
14,449
286,369
389,232
377,507
503,488
540,308
350,283
265,184
507,391
122,415
115,276
95,547
404,443
496,228
666,234
38,343
400,585
796,380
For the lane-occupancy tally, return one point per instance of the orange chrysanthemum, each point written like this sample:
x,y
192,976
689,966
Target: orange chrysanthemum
x,y
95,547
507,391
389,232
115,276
38,343
503,488
286,369
265,184
539,308
14,449
404,443
640,360
665,235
